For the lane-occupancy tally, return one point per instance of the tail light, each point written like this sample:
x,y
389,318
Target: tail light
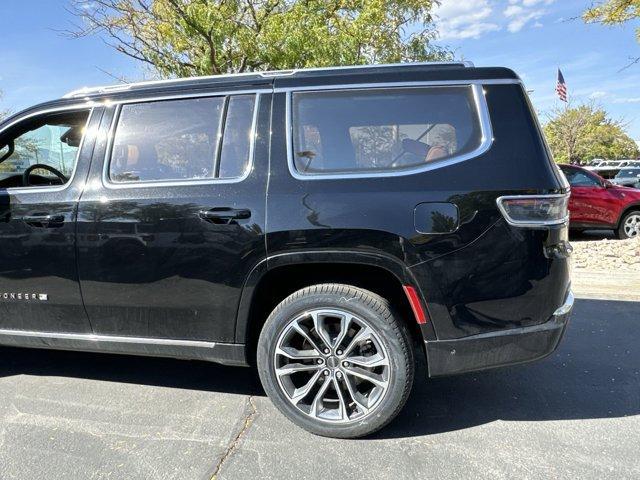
x,y
534,211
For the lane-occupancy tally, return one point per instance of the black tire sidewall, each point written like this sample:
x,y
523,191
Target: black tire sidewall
x,y
390,332
621,233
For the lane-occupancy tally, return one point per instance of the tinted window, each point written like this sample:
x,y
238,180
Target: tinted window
x,y
236,142
382,129
180,140
627,173
51,140
578,178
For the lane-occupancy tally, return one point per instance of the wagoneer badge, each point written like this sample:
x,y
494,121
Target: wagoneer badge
x,y
38,297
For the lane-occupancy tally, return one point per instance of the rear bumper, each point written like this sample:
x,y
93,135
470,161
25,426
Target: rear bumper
x,y
497,349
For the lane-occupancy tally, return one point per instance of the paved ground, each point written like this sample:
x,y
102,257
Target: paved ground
x,y
84,416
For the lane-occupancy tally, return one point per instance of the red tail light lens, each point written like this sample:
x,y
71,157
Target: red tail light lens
x,y
534,210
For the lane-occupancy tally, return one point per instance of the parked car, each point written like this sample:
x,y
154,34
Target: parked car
x,y
597,203
628,177
315,223
594,162
608,169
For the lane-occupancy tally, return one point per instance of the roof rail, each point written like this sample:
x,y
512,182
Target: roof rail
x,y
265,74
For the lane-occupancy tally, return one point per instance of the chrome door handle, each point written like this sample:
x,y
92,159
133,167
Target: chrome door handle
x,y
45,221
224,215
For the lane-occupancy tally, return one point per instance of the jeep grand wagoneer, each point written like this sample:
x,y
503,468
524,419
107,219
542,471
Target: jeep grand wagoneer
x,y
324,225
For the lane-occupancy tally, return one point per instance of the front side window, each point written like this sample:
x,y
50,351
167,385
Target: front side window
x,y
577,178
42,151
192,139
382,129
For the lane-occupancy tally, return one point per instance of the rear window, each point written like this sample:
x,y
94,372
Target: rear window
x,y
382,130
193,139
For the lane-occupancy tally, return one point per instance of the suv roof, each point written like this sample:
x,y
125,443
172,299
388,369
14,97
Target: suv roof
x,y
248,77
435,70
357,74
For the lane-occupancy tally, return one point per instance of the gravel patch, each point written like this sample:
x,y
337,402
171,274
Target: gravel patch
x,y
607,255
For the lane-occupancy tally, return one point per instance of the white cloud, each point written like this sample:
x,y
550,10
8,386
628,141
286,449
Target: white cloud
x,y
532,3
460,19
627,100
463,19
520,12
598,94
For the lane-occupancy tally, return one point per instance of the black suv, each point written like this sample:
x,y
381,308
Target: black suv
x,y
319,223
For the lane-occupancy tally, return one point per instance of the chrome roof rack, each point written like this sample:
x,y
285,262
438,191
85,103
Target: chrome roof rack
x,y
265,74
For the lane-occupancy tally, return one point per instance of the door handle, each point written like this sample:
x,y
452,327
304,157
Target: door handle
x,y
45,221
224,215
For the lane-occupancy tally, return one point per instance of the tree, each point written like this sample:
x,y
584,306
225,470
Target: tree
x,y
614,12
209,37
4,113
585,132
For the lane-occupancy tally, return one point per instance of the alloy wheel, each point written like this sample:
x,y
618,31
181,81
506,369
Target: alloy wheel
x,y
632,225
332,366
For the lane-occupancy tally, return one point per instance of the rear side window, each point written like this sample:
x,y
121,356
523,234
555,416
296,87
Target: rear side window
x,y
236,140
381,130
193,139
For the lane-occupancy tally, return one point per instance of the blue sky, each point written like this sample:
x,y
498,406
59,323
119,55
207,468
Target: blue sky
x,y
533,37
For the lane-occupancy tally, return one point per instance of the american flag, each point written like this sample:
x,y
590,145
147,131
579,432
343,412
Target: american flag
x,y
561,87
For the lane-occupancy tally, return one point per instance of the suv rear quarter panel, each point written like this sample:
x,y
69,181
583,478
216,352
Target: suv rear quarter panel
x,y
485,276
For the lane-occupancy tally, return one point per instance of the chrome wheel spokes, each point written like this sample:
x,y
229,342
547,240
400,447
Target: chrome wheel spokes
x,y
632,225
332,365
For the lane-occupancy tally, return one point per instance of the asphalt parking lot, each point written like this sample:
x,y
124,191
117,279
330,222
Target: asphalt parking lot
x,y
572,415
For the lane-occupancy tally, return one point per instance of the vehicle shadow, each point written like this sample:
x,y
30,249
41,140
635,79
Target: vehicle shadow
x,y
595,373
161,372
591,235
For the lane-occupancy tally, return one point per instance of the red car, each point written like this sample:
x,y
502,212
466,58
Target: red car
x,y
596,203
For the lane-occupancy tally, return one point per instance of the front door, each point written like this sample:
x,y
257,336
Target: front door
x,y
590,201
173,221
44,162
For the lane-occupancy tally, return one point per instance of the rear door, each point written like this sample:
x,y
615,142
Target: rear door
x,y
174,219
46,160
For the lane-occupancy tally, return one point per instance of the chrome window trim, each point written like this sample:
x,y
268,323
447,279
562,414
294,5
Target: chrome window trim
x,y
90,337
106,181
482,111
264,74
38,189
526,224
209,92
418,83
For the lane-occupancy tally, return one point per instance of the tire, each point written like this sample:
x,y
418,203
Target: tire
x,y
374,335
629,225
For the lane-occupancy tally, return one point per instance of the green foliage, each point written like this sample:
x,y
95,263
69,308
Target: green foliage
x,y
614,12
585,132
205,37
4,113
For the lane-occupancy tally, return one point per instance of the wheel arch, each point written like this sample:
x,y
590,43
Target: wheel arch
x,y
625,210
280,275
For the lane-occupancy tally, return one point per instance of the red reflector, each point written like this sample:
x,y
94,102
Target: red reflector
x,y
416,304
